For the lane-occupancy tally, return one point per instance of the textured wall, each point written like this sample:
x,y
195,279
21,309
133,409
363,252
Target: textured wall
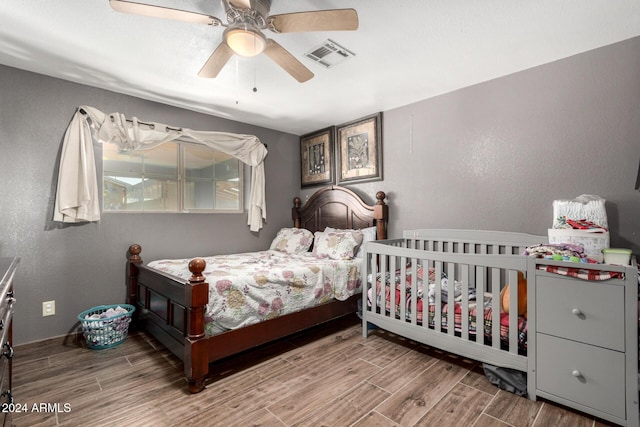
x,y
80,266
496,155
491,156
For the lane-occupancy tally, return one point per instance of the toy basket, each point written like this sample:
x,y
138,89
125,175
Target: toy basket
x,y
106,326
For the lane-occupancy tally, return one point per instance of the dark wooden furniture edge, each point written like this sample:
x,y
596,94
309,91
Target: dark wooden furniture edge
x,y
351,211
172,310
8,266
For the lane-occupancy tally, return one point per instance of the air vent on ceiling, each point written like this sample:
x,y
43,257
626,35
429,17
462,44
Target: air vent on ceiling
x,y
329,53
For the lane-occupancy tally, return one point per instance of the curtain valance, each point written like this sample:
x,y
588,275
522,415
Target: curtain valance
x,y
77,196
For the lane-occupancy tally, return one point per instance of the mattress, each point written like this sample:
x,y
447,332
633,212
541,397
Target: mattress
x,y
248,288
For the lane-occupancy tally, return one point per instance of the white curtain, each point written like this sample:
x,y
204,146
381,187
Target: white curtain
x,y
77,193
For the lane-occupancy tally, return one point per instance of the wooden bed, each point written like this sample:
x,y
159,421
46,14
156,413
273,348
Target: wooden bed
x,y
574,334
173,310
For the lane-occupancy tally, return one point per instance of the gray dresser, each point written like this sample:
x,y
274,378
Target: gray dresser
x,y
585,351
7,271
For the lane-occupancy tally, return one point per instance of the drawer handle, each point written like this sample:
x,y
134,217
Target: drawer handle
x,y
8,353
577,312
578,375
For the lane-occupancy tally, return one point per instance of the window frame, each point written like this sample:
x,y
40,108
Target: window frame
x,y
181,181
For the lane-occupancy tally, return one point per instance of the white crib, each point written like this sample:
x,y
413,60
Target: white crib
x,y
469,270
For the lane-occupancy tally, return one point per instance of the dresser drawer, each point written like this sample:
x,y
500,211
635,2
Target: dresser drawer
x,y
7,271
588,375
5,326
4,378
588,312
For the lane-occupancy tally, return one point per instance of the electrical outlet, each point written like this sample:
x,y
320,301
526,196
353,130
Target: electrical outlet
x,y
48,308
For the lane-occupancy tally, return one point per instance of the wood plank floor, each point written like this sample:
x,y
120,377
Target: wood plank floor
x,y
328,376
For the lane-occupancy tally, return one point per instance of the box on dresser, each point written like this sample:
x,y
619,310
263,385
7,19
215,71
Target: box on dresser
x,y
592,242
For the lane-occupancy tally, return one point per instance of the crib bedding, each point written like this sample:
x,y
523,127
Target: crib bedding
x,y
581,273
486,316
248,288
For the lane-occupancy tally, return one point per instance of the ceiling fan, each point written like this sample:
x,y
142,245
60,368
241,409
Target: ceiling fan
x,y
243,34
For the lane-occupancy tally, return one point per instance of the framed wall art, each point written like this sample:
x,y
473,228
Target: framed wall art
x,y
360,149
317,157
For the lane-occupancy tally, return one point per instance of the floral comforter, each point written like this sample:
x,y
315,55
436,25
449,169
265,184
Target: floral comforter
x,y
251,287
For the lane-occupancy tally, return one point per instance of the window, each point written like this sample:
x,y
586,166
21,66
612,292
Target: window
x,y
176,176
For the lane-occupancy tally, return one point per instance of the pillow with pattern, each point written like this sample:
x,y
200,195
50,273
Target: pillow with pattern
x,y
336,244
292,240
369,234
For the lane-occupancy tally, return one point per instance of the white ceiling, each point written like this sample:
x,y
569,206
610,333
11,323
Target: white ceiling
x,y
406,51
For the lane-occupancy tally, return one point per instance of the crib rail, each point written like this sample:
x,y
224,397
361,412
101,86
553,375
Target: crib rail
x,y
471,241
397,271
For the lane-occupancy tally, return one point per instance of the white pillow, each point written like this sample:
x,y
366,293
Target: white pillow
x,y
368,234
336,244
292,240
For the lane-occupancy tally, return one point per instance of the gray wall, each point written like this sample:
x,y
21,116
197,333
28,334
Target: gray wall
x,y
496,155
84,265
491,156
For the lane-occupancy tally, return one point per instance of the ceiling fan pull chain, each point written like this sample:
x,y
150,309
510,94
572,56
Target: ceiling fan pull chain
x,y
237,81
255,73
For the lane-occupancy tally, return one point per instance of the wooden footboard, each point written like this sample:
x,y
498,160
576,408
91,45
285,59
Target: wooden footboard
x,y
173,312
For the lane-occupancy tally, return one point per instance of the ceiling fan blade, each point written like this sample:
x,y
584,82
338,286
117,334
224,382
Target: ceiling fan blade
x,y
216,61
162,12
322,20
288,62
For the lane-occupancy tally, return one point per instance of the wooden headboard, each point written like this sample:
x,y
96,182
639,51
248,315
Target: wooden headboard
x,y
339,207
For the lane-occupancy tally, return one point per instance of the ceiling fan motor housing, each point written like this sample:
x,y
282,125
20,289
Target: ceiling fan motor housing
x,y
237,11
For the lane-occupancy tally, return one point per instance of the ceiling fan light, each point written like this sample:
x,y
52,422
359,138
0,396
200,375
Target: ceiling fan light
x,y
245,41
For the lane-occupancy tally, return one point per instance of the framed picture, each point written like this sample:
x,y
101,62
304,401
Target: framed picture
x,y
360,149
316,157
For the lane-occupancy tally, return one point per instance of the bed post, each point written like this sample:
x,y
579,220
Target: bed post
x,y
381,214
132,272
295,212
196,360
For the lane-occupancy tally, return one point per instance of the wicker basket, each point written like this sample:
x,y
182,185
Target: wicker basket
x,y
105,332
